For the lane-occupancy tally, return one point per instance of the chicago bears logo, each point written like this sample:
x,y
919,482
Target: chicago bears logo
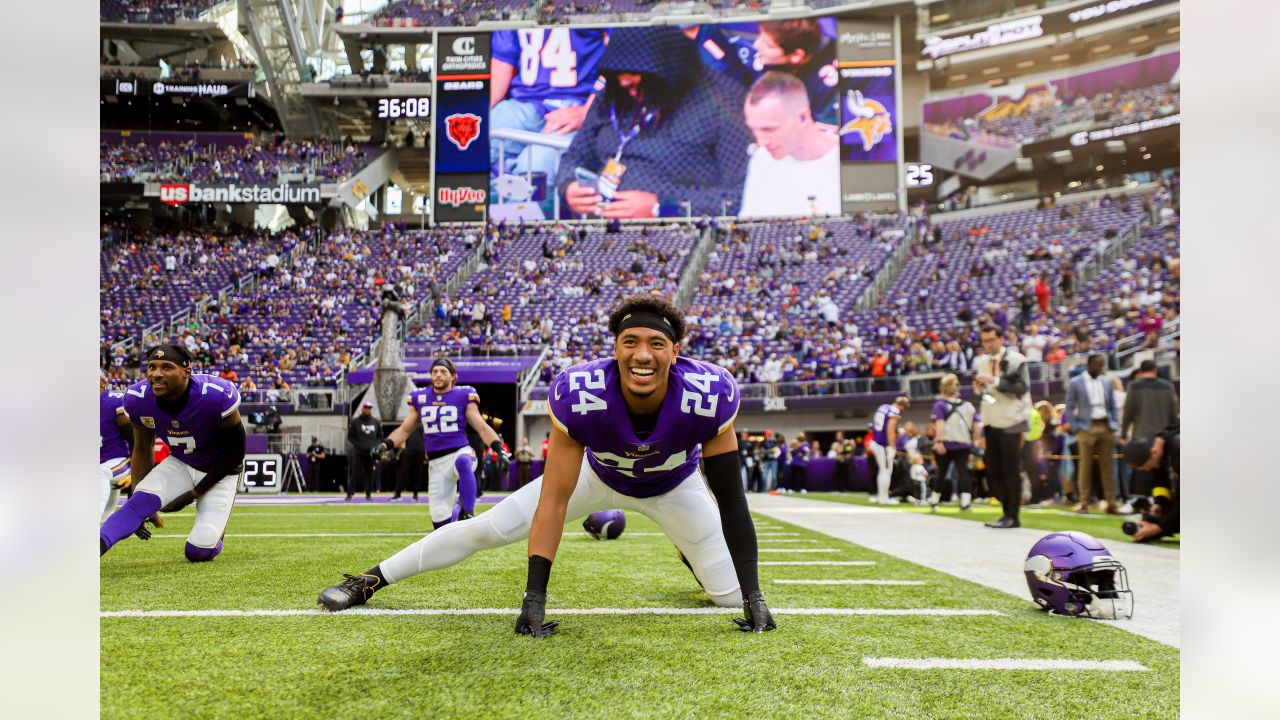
x,y
462,129
871,120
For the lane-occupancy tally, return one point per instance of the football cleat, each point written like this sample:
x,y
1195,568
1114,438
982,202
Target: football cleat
x,y
355,590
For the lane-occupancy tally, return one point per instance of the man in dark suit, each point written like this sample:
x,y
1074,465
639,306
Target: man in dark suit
x,y
1094,418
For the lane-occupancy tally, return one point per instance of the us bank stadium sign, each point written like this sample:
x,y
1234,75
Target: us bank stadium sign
x,y
181,193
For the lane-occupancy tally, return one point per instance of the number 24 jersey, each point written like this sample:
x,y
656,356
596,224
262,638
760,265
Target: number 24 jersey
x,y
586,403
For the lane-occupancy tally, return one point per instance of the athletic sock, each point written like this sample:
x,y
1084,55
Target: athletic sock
x,y
126,521
376,573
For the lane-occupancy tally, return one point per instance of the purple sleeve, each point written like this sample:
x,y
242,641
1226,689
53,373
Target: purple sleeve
x,y
559,404
939,410
505,46
730,399
228,401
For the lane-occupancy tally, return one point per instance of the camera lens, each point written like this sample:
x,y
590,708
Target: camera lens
x,y
1129,527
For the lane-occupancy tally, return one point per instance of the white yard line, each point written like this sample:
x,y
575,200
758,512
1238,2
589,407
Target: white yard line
x,y
861,563
799,550
849,582
307,535
788,540
1002,664
939,612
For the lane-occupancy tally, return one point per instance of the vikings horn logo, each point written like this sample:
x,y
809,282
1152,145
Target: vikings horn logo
x,y
462,129
870,119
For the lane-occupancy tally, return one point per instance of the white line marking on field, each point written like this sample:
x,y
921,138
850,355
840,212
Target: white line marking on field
x,y
776,534
789,540
799,550
849,582
553,612
817,562
309,535
1001,664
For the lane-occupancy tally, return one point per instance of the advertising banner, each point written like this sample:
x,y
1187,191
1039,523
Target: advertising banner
x,y
179,88
867,130
461,197
870,160
181,193
1048,24
462,103
471,370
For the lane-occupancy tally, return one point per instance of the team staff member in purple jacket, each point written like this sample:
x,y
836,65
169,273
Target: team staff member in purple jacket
x,y
199,417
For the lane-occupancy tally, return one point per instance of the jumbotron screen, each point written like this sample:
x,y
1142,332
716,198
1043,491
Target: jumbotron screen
x,y
783,118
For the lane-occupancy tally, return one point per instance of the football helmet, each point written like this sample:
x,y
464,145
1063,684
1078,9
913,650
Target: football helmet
x,y
1071,573
605,524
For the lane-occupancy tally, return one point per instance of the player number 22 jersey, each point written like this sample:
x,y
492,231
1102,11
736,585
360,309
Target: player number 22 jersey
x,y
444,416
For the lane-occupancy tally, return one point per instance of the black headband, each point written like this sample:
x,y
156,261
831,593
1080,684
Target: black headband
x,y
445,363
649,320
175,354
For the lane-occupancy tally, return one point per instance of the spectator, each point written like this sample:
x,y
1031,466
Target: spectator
x,y
1094,418
958,429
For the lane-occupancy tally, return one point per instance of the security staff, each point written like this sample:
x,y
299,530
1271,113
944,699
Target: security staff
x,y
1005,386
364,434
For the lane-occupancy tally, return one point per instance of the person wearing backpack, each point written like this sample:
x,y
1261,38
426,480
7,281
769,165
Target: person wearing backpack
x,y
958,430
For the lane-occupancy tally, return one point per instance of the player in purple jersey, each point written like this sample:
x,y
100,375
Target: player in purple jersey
x,y
542,81
199,418
884,443
642,419
114,435
451,463
628,434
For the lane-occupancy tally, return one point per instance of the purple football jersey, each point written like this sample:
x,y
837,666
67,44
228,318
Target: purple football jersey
x,y
111,444
586,403
189,435
880,423
551,63
444,416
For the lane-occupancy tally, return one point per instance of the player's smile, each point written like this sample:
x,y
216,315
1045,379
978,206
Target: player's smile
x,y
166,378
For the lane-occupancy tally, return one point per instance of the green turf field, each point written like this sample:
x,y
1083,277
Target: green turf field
x,y
1103,527
617,666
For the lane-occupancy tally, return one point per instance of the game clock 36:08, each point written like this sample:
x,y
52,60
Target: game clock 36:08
x,y
390,108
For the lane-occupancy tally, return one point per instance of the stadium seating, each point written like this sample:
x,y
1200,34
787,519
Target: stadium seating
x,y
1104,109
559,286
156,12
135,159
299,324
773,295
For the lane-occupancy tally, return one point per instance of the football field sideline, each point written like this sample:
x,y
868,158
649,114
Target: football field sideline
x,y
992,558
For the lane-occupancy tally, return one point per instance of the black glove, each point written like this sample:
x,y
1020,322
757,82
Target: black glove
x,y
143,532
385,450
531,614
503,462
179,502
759,619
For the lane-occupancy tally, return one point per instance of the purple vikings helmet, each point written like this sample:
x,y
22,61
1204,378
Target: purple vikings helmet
x,y
1071,573
605,524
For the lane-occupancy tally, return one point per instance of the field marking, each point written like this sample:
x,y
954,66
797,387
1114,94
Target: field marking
x,y
307,535
849,582
799,550
946,612
791,540
817,562
1002,664
776,534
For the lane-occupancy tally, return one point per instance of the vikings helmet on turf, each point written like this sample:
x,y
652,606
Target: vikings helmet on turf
x,y
1071,573
605,524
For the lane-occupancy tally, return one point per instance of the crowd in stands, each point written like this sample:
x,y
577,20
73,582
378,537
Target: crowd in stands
x,y
313,302
156,12
774,300
447,13
1114,107
553,285
261,162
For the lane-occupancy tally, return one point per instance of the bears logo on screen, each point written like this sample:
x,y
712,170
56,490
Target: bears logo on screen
x,y
870,119
462,129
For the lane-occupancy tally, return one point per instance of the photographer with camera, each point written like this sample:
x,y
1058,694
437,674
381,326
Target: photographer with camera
x,y
1147,454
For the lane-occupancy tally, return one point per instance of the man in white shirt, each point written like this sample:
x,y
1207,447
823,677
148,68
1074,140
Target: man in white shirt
x,y
1033,344
794,159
